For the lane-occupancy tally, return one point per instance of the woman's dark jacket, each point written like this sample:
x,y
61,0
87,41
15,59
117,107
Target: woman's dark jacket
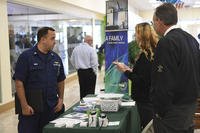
x,y
141,79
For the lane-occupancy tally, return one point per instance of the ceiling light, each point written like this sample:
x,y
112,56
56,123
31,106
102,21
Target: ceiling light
x,y
196,6
197,2
153,1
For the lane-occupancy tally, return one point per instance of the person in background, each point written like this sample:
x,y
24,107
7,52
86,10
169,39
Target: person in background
x,y
140,75
84,59
39,68
175,74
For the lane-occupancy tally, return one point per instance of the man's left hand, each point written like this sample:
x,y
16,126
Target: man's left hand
x,y
59,105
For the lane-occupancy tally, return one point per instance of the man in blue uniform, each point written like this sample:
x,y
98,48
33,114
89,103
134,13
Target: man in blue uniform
x,y
39,69
175,74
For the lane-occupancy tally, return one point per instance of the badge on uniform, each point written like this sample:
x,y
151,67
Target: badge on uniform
x,y
35,64
57,64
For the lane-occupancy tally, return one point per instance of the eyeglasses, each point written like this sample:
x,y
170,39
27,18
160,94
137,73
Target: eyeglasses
x,y
152,23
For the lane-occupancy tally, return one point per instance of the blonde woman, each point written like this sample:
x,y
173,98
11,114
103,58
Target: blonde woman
x,y
140,75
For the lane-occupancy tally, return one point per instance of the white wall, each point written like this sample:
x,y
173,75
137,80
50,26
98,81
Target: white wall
x,y
192,27
189,19
183,14
133,19
59,6
5,81
94,5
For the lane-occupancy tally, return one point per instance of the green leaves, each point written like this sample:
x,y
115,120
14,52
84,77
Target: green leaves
x,y
133,51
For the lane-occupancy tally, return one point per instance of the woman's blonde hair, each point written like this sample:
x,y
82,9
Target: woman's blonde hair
x,y
146,38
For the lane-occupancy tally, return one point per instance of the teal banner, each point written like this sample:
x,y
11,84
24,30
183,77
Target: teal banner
x,y
116,49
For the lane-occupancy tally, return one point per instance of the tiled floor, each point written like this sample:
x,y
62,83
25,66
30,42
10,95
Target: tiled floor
x,y
8,120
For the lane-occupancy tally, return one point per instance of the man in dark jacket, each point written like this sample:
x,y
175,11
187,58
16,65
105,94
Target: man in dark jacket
x,y
175,74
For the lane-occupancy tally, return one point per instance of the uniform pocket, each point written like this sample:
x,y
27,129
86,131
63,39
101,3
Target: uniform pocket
x,y
36,73
56,68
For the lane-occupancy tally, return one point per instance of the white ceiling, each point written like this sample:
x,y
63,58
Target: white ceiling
x,y
144,5
17,9
141,5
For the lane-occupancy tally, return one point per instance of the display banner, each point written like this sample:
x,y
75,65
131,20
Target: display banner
x,y
116,49
116,14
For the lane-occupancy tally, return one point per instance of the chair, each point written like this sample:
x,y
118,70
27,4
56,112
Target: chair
x,y
196,119
148,128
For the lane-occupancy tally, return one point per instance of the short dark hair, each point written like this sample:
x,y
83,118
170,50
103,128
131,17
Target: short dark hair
x,y
199,35
42,32
167,13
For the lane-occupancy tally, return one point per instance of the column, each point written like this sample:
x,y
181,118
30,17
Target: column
x,y
5,75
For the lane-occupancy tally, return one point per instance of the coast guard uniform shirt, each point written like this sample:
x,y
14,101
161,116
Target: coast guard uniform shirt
x,y
40,71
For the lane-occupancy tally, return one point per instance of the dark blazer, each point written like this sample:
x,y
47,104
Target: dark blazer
x,y
141,79
175,71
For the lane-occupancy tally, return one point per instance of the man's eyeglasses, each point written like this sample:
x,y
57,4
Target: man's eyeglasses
x,y
152,23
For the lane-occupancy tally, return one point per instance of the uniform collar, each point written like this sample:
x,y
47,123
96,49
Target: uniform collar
x,y
36,51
